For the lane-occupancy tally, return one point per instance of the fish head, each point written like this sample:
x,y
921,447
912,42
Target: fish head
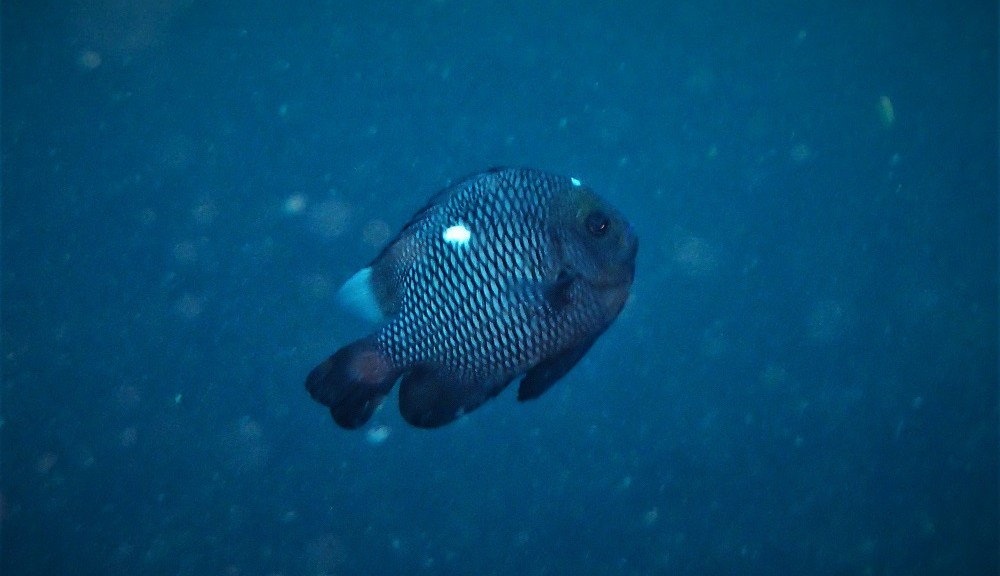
x,y
595,241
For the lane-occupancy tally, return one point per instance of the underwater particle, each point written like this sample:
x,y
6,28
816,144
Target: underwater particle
x,y
176,152
377,434
926,524
245,446
46,462
694,256
829,320
651,515
189,306
886,111
800,152
713,340
375,233
185,251
315,286
294,204
123,552
249,429
127,397
324,554
128,437
90,59
86,457
329,219
774,375
205,212
147,217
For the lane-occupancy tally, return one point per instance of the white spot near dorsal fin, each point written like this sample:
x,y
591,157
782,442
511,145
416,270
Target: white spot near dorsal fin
x,y
357,296
457,234
575,181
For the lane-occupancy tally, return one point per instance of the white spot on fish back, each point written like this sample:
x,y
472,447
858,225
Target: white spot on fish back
x,y
457,235
575,181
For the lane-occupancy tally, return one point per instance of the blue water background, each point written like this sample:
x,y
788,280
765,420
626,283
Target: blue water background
x,y
804,381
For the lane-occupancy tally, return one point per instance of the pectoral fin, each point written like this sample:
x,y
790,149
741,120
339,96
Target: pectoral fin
x,y
557,293
550,296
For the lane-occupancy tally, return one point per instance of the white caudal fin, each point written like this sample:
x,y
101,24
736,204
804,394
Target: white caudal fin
x,y
357,296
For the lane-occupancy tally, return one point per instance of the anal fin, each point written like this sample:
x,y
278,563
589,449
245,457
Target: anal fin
x,y
431,398
548,371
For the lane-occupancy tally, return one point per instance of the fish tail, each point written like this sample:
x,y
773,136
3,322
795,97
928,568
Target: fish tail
x,y
352,382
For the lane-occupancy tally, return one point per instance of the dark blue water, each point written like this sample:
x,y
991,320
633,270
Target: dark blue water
x,y
804,382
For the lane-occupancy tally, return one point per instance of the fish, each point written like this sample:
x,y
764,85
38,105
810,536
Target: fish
x,y
509,273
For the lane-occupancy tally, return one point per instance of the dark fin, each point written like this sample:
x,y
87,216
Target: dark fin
x,y
429,398
352,382
543,297
545,373
558,293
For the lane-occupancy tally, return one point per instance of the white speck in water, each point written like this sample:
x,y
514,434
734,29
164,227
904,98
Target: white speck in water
x,y
575,181
377,434
457,234
295,204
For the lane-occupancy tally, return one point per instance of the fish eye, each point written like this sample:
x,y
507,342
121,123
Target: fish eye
x,y
598,223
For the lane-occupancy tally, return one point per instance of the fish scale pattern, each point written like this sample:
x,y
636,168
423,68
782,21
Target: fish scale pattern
x,y
468,309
